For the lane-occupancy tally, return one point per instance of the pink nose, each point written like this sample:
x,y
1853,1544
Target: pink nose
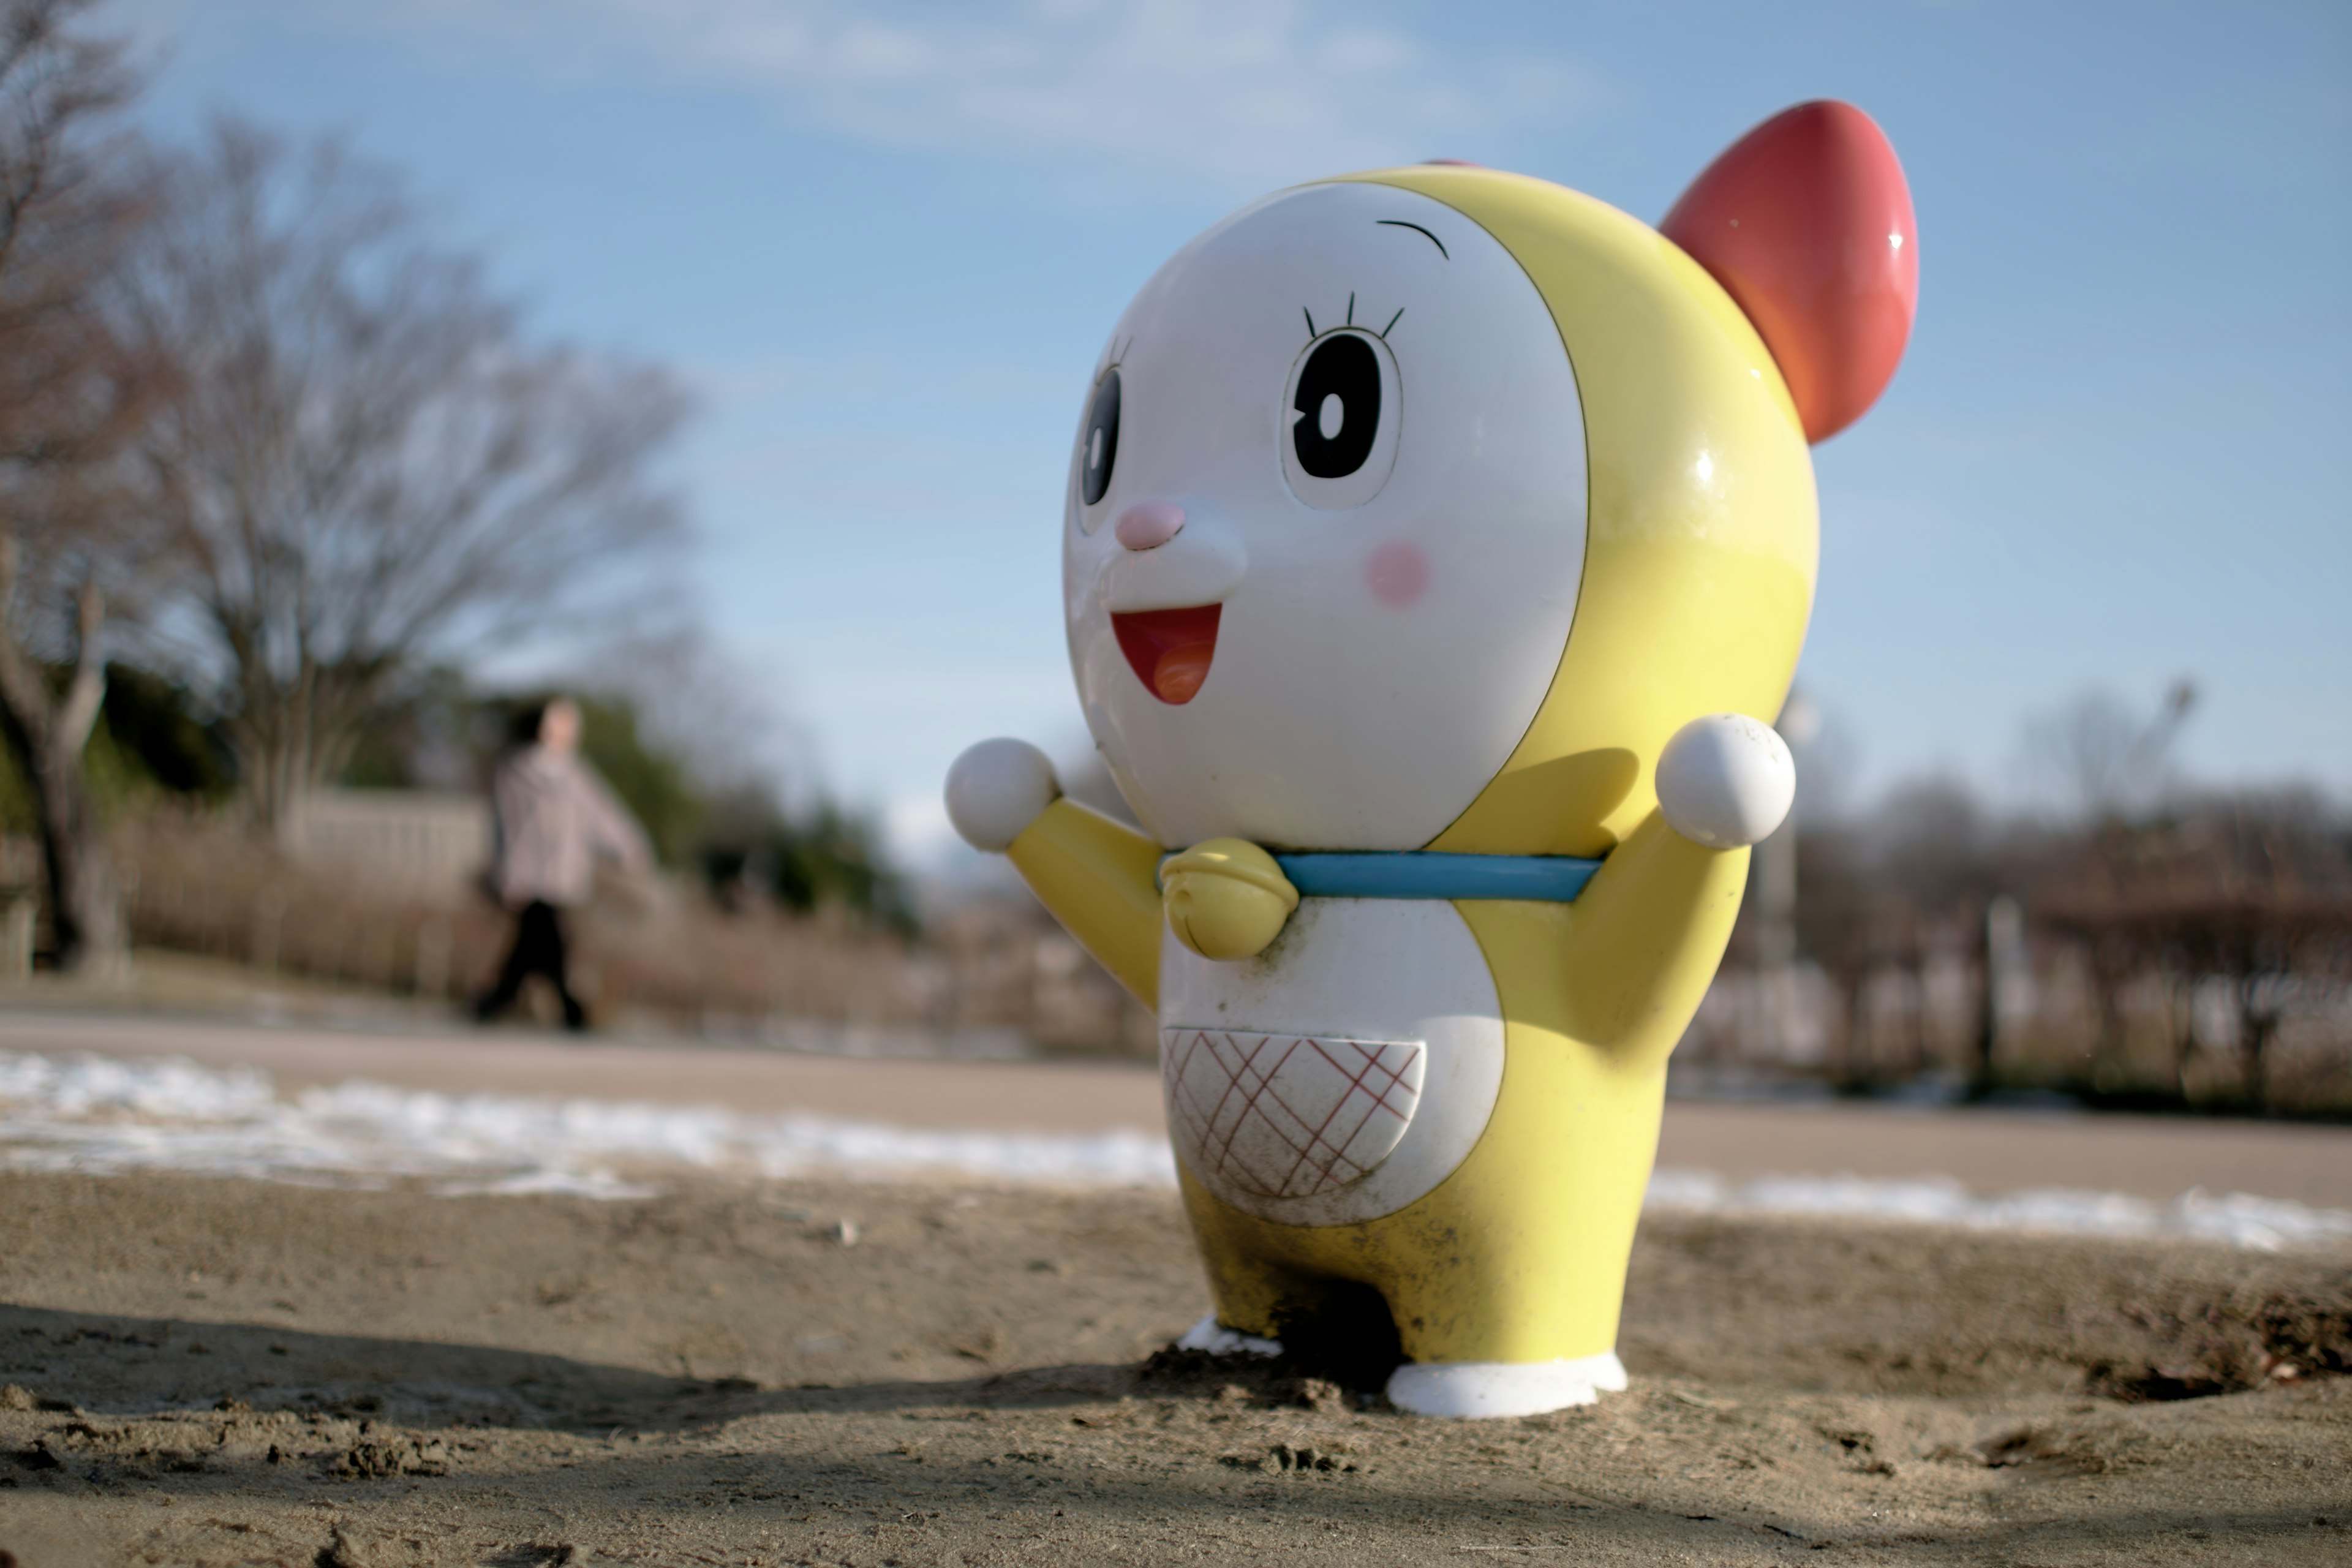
x,y
1149,524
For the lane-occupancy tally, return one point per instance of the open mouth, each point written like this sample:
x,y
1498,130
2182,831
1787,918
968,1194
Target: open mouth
x,y
1169,650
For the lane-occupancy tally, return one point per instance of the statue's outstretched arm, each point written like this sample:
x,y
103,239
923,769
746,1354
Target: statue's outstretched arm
x,y
1651,927
1096,876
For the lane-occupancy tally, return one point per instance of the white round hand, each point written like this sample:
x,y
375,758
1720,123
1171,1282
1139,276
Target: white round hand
x,y
1725,781
998,789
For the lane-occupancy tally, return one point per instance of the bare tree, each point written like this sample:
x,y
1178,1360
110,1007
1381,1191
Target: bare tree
x,y
72,390
2108,762
372,465
726,721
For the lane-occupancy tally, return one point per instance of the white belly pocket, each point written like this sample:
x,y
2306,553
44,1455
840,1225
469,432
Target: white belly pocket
x,y
1289,1115
1342,1075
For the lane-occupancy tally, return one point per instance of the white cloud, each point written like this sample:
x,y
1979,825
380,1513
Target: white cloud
x,y
1229,92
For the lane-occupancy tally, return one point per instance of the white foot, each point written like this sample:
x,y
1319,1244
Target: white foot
x,y
1214,1337
1478,1388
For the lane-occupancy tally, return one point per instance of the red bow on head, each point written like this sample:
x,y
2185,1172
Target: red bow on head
x,y
1806,221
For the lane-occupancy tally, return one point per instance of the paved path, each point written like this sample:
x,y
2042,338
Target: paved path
x,y
1046,1097
1991,1151
2004,1150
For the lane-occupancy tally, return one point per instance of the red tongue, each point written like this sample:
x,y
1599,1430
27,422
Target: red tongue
x,y
1169,650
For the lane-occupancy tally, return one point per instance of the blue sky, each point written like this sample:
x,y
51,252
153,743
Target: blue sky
x,y
885,241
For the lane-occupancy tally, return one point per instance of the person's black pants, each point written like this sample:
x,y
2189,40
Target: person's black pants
x,y
538,950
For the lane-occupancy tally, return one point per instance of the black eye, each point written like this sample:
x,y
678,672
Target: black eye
x,y
1337,407
1099,447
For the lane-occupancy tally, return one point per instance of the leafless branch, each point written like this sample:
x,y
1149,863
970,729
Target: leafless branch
x,y
372,463
72,390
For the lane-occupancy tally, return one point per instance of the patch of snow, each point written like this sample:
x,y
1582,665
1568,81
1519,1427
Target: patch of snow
x,y
105,1114
2239,1219
101,1114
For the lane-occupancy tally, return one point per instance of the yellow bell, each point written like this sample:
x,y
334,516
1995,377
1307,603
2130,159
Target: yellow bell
x,y
1226,898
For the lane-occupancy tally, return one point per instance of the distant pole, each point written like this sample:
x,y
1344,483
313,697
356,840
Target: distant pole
x,y
1776,897
2007,971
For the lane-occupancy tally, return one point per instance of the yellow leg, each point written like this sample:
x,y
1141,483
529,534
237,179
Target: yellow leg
x,y
1519,1255
1256,1289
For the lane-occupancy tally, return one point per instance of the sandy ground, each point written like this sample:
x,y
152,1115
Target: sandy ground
x,y
1988,1151
214,1371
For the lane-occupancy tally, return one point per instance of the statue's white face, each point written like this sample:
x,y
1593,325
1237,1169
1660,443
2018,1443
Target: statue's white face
x,y
1326,524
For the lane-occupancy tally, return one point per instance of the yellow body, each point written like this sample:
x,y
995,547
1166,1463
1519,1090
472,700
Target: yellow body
x,y
1697,581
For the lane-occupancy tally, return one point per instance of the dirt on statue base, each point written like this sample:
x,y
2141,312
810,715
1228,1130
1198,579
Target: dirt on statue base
x,y
219,1371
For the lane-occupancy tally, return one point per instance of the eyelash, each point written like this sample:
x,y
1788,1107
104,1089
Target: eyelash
x,y
1383,334
1116,357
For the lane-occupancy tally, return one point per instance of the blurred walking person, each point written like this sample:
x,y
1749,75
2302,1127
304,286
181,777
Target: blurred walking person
x,y
552,819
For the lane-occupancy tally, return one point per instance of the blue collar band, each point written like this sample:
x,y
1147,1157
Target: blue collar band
x,y
1426,874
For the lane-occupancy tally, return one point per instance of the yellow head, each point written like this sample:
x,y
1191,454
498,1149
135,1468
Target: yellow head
x,y
1701,536
1419,509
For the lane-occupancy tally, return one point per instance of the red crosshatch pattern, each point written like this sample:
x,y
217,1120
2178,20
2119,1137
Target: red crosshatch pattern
x,y
1289,1115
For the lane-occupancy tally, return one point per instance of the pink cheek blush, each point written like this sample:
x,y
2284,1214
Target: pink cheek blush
x,y
1399,574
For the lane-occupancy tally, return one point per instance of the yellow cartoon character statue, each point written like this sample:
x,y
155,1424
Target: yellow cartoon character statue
x,y
1438,546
